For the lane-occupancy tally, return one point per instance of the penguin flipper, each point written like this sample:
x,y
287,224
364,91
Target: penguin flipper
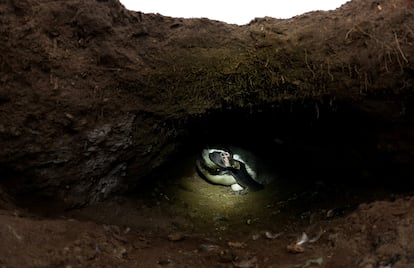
x,y
244,179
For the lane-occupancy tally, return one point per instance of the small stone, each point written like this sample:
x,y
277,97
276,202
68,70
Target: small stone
x,y
270,235
255,237
247,263
226,256
120,253
236,244
175,237
368,262
165,262
208,247
69,116
295,248
120,238
330,214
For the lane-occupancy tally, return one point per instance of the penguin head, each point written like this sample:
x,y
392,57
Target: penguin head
x,y
221,158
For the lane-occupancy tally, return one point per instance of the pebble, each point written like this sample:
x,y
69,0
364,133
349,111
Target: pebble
x,y
208,247
256,237
270,235
295,248
249,263
165,262
226,256
369,265
175,237
236,244
120,253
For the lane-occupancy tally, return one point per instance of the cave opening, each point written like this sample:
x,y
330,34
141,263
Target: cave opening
x,y
305,140
324,157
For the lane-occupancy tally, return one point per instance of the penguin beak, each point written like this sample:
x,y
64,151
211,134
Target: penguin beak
x,y
225,156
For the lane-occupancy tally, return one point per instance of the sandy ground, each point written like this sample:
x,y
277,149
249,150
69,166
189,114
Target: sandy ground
x,y
187,222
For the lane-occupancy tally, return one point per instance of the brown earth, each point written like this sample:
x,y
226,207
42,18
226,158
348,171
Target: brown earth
x,y
102,111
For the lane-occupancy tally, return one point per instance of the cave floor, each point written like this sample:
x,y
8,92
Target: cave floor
x,y
187,222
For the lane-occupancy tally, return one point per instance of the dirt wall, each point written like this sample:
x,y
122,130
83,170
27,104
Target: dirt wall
x,y
93,97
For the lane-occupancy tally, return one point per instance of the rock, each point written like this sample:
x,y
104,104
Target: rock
x,y
175,237
165,262
120,253
295,248
368,265
255,237
236,244
208,247
226,256
312,262
270,235
99,134
246,263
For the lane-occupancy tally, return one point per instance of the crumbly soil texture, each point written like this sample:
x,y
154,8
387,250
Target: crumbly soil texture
x,y
103,112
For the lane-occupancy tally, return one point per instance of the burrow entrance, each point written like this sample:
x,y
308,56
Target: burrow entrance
x,y
324,157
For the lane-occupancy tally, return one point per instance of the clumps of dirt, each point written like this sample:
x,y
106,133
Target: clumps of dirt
x,y
156,233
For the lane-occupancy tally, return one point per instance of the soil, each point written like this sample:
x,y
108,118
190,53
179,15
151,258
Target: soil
x,y
188,222
104,110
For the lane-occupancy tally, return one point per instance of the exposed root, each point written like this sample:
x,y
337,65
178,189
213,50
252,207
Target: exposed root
x,y
399,48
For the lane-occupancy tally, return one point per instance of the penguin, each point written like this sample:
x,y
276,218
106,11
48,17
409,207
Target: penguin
x,y
231,166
